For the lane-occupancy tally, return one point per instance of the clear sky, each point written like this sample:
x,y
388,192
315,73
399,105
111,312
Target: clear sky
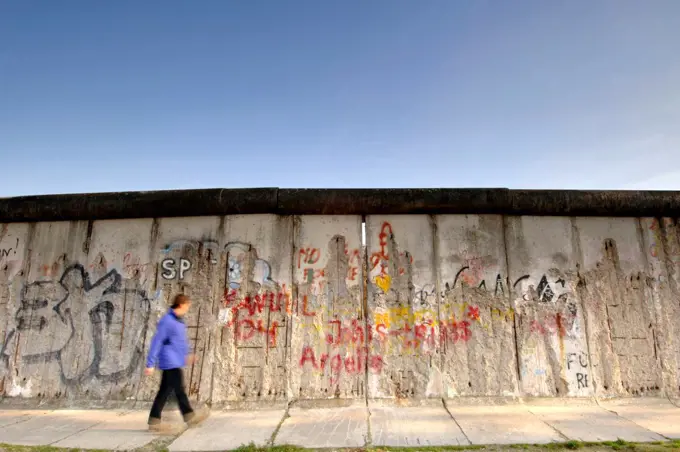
x,y
149,94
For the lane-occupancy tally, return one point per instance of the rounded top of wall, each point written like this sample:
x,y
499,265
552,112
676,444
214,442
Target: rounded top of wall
x,y
216,201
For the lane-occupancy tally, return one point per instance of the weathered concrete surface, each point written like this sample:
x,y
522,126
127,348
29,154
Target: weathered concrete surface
x,y
123,431
325,428
329,337
592,424
503,425
640,420
52,427
230,430
477,330
657,415
9,417
295,308
551,338
414,426
404,335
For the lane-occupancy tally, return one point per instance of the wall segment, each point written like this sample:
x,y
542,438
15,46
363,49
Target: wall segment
x,y
293,306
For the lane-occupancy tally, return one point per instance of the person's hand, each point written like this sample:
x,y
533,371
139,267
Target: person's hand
x,y
148,371
191,359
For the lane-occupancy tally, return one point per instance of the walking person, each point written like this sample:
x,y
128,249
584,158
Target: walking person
x,y
170,352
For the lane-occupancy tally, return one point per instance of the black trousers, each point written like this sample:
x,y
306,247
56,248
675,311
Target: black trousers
x,y
171,381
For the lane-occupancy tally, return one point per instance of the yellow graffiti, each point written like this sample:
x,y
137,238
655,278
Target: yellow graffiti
x,y
399,316
384,282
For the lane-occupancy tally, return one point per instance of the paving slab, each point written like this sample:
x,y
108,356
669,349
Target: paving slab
x,y
592,423
414,426
512,424
125,431
229,430
325,427
657,415
9,417
52,427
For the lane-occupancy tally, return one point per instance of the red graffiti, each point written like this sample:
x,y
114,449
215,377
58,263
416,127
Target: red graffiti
x,y
251,305
382,255
305,310
410,337
256,303
344,335
308,256
354,261
132,266
311,274
352,364
473,313
247,328
454,332
551,324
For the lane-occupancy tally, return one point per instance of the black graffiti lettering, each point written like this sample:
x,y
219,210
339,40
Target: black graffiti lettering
x,y
460,272
520,279
582,359
499,286
582,380
569,359
51,304
545,292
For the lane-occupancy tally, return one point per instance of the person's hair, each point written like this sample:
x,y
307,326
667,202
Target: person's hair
x,y
179,300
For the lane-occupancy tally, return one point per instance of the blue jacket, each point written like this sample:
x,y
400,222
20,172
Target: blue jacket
x,y
169,346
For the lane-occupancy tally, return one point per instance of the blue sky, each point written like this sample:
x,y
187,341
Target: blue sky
x,y
149,94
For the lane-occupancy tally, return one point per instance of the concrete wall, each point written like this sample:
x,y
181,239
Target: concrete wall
x,y
293,307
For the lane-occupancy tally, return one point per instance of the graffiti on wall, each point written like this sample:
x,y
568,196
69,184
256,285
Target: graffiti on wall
x,y
107,342
252,297
388,265
579,361
11,255
177,268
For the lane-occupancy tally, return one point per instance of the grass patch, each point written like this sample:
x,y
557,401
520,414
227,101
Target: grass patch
x,y
282,448
15,448
423,448
617,445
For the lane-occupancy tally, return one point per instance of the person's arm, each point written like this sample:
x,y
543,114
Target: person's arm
x,y
156,343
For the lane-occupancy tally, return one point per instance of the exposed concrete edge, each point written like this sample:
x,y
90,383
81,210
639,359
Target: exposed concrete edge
x,y
300,404
11,403
404,403
220,201
448,411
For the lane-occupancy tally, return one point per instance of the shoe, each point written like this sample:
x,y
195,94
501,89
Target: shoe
x,y
196,417
156,426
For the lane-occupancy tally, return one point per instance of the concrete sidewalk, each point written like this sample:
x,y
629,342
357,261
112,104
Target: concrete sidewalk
x,y
639,420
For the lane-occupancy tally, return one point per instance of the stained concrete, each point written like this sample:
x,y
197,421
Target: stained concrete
x,y
289,308
124,431
503,425
641,420
414,426
9,417
592,424
48,429
229,430
655,414
325,428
